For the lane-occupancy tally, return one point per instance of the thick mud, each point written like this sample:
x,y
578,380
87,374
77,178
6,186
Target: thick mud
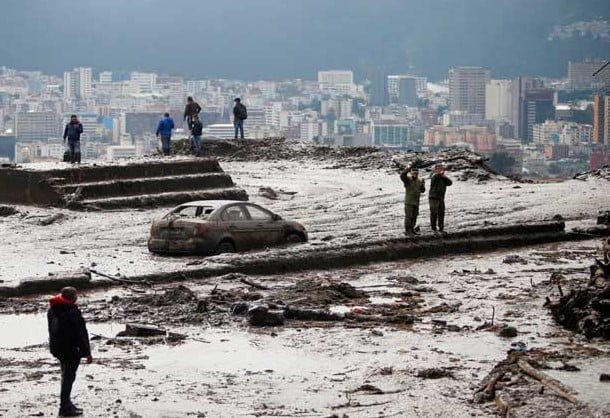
x,y
375,367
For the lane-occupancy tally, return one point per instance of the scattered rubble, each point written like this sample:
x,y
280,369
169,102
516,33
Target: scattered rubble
x,y
434,373
601,173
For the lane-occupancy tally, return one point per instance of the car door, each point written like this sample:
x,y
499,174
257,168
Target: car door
x,y
267,230
239,226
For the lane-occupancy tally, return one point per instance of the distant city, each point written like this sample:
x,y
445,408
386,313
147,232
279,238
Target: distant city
x,y
528,126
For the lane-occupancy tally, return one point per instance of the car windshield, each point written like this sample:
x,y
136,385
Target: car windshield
x,y
202,212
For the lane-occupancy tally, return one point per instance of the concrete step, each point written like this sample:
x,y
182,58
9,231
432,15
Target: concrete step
x,y
144,185
161,199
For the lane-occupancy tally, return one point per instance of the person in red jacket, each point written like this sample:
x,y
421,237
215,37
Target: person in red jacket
x,y
69,343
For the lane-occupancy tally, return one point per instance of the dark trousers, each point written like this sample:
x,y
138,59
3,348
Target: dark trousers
x,y
437,213
166,144
68,374
74,145
411,212
239,126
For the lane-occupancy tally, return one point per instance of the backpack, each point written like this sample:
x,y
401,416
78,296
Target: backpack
x,y
242,113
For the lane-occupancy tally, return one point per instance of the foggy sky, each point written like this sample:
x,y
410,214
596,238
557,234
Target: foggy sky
x,y
275,39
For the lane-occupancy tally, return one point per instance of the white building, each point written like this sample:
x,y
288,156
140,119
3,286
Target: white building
x,y
337,82
145,82
311,129
105,77
223,131
499,100
273,114
78,83
117,152
421,85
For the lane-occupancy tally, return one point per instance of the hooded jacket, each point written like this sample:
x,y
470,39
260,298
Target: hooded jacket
x,y
68,337
73,131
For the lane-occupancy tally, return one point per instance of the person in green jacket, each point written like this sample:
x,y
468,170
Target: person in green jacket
x,y
414,187
438,186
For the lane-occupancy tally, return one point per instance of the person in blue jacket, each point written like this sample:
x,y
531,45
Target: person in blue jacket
x,y
164,130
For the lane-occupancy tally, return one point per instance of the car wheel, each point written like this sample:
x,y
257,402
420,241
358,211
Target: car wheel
x,y
225,247
294,238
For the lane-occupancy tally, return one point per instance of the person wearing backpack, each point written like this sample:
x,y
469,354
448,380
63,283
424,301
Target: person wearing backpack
x,y
240,114
191,109
69,343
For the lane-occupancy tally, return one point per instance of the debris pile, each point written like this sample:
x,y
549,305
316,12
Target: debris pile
x,y
587,310
601,173
471,165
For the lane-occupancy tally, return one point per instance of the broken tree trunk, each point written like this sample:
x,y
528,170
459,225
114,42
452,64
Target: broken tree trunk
x,y
552,384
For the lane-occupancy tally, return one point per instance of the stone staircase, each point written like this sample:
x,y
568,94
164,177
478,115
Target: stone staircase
x,y
115,186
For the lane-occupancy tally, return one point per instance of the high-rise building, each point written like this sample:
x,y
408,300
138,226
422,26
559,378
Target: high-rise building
x,y
378,94
520,86
339,82
537,106
78,83
146,82
601,117
421,86
580,74
467,89
498,100
105,77
37,126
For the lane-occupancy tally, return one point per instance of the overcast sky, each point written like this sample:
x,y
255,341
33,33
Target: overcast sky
x,y
273,39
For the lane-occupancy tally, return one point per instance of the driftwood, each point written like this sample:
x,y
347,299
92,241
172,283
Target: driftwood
x,y
503,406
119,280
255,285
552,384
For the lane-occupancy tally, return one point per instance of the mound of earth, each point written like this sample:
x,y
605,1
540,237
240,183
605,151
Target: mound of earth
x,y
602,173
471,165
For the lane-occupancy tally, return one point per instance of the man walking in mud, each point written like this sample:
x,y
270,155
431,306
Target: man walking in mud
x,y
72,133
414,187
436,197
69,343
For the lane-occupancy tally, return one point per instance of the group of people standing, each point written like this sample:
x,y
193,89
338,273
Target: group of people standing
x,y
414,187
195,127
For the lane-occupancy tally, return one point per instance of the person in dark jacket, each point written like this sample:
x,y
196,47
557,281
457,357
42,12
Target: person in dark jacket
x,y
164,130
191,109
72,133
414,187
196,132
436,197
240,114
68,342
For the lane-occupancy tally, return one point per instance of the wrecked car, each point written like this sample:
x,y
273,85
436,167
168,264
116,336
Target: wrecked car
x,y
220,226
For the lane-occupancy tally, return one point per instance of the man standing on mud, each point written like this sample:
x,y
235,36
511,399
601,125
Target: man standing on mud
x,y
72,133
68,342
240,114
436,197
164,130
414,187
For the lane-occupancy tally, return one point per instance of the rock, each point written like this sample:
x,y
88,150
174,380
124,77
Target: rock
x,y
139,330
262,316
508,332
604,377
514,258
52,219
8,211
434,373
268,192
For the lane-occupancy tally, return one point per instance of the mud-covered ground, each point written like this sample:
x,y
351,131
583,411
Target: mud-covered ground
x,y
361,368
405,339
337,205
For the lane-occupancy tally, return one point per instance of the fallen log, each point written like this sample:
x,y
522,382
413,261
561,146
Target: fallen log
x,y
255,285
552,384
